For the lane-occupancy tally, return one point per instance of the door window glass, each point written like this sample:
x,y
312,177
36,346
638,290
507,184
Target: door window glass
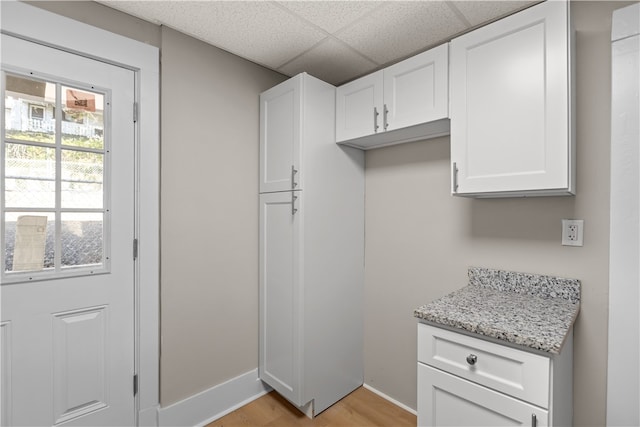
x,y
55,157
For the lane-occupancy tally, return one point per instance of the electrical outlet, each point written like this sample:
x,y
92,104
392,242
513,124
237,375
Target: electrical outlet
x,y
572,232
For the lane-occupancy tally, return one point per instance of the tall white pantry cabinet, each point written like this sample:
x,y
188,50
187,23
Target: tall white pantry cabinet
x,y
311,248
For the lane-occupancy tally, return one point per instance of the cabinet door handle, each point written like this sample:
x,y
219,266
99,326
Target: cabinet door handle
x,y
472,359
294,171
534,420
454,171
293,203
385,113
375,119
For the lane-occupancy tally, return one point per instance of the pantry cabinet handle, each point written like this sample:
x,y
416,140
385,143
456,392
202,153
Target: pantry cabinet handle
x,y
534,420
472,359
293,203
385,114
294,171
454,171
375,120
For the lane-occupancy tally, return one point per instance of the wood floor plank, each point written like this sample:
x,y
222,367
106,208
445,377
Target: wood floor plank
x,y
362,408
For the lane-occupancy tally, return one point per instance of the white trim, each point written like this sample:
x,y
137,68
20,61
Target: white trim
x,y
31,23
390,399
209,405
623,374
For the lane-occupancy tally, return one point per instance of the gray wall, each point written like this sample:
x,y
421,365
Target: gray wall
x,y
420,240
209,214
104,17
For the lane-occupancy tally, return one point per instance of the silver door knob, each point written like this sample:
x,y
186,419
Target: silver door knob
x,y
472,359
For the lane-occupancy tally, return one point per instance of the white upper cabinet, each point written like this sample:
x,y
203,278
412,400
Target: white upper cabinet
x,y
280,137
405,102
416,90
511,123
359,107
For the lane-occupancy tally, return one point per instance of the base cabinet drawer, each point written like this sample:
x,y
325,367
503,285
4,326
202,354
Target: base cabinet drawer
x,y
447,400
515,372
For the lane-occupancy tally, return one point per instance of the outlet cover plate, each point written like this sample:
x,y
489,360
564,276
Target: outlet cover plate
x,y
572,232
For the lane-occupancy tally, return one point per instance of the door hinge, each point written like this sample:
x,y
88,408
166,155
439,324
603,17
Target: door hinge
x,y
135,249
135,112
135,384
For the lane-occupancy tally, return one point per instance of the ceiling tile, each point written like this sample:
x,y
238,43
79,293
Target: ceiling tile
x,y
331,16
330,61
402,28
478,12
257,30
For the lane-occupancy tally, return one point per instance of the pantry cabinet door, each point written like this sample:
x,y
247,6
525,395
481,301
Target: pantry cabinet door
x,y
510,105
416,90
447,400
280,296
359,107
280,133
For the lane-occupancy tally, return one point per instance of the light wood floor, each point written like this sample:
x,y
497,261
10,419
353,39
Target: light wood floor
x,y
362,408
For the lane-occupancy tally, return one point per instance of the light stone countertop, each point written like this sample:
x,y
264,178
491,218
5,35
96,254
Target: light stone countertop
x,y
531,310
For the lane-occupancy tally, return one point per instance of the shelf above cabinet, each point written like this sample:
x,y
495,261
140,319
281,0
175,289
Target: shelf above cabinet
x,y
400,136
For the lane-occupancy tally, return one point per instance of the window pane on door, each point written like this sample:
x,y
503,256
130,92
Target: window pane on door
x,y
54,205
29,241
82,177
30,109
30,173
82,118
82,239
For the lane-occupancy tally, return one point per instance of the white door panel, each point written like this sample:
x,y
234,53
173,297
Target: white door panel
x,y
447,400
510,104
68,332
359,107
416,89
280,137
279,292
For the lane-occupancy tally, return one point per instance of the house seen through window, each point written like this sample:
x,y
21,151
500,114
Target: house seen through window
x,y
54,209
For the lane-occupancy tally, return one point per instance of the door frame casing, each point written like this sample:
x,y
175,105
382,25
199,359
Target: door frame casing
x,y
31,23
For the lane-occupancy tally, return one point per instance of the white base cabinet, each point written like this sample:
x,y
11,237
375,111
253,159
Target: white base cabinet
x,y
311,248
467,381
511,106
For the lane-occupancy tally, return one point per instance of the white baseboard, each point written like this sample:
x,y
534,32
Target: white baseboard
x,y
209,405
148,417
390,399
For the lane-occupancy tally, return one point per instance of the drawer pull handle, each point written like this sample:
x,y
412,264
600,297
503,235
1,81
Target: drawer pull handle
x,y
472,359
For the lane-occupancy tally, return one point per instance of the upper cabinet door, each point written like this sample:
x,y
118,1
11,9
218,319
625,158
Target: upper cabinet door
x,y
359,107
415,90
511,131
280,121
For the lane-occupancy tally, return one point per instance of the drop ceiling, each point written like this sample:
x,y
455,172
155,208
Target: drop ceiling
x,y
335,41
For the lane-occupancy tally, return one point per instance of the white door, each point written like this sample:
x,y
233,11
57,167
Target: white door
x,y
67,232
280,297
359,107
280,121
447,400
416,90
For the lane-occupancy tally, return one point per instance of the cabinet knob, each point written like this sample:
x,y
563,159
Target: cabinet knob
x,y
472,359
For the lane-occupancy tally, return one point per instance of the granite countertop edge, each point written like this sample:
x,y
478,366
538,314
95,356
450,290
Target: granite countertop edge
x,y
533,311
